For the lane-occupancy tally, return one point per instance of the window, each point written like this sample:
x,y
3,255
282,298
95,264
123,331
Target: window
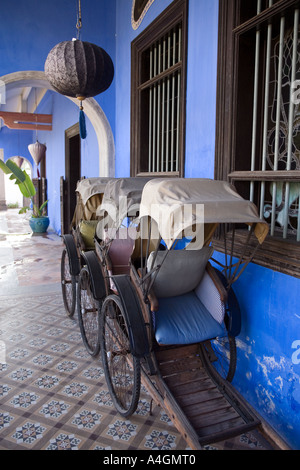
x,y
158,95
258,125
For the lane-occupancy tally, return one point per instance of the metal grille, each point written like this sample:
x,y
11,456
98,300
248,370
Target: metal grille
x,y
164,102
277,66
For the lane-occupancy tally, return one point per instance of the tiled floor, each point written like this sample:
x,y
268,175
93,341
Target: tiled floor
x,y
53,395
27,260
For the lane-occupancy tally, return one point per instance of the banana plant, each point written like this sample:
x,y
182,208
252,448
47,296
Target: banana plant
x,y
26,186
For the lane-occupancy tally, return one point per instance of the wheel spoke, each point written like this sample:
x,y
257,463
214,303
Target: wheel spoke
x,y
88,311
122,370
68,285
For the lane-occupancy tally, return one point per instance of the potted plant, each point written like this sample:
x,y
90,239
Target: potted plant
x,y
38,221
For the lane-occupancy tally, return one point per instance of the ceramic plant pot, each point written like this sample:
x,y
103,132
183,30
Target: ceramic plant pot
x,y
39,224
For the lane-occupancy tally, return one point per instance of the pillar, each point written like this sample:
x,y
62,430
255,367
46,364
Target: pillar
x,y
2,186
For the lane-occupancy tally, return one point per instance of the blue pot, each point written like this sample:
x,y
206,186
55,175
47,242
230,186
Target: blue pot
x,y
39,224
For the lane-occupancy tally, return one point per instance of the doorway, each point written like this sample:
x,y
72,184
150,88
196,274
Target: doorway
x,y
72,175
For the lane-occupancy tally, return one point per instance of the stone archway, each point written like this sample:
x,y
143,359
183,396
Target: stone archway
x,y
91,108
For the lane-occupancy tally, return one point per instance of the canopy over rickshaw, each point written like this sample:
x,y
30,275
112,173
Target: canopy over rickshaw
x,y
89,193
121,200
112,244
164,200
191,210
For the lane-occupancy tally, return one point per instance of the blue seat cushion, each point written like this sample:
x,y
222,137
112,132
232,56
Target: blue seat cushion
x,y
184,320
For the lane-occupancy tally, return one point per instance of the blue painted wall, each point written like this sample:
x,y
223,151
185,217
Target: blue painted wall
x,y
268,371
201,83
201,88
268,348
64,115
29,30
15,143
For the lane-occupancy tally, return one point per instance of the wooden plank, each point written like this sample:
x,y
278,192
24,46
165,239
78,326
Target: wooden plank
x,y
186,377
266,15
179,366
192,387
195,402
226,433
215,418
170,354
233,426
161,394
274,254
199,397
205,407
268,175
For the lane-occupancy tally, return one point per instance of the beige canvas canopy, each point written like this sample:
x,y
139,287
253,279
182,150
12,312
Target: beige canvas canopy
x,y
90,186
122,197
89,197
179,204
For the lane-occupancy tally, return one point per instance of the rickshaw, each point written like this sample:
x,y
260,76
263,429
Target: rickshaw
x,y
171,322
115,220
89,194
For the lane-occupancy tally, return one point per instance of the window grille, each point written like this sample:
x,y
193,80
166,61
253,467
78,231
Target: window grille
x,y
158,94
273,172
164,102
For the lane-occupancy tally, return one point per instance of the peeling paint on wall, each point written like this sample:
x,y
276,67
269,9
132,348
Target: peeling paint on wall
x,y
280,384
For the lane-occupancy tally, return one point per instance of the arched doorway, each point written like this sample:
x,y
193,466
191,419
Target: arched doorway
x,y
92,109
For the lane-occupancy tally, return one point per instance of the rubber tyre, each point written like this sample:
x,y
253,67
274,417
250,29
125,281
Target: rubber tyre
x,y
88,314
221,353
68,284
122,369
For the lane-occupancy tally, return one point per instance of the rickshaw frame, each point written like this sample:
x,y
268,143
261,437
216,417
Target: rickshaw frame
x,y
78,258
134,299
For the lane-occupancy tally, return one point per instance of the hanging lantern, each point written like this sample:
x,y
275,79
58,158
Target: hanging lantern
x,y
18,161
37,151
79,69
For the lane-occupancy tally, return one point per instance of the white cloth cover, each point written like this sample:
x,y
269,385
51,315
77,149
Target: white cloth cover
x,y
90,186
179,204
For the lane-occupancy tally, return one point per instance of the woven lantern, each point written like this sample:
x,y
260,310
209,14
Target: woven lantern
x,y
80,70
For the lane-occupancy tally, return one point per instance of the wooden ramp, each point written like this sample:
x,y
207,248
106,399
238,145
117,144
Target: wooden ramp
x,y
203,407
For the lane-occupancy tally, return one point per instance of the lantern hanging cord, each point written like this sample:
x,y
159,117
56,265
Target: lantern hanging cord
x,y
79,21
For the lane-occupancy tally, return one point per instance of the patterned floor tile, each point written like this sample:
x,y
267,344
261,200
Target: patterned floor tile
x,y
53,395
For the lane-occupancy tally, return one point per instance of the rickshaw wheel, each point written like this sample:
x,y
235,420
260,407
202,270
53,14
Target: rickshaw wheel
x,y
221,353
68,284
122,369
88,313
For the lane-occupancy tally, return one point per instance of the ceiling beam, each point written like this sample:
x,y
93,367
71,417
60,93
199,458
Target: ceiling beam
x,y
23,100
27,121
26,92
35,99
